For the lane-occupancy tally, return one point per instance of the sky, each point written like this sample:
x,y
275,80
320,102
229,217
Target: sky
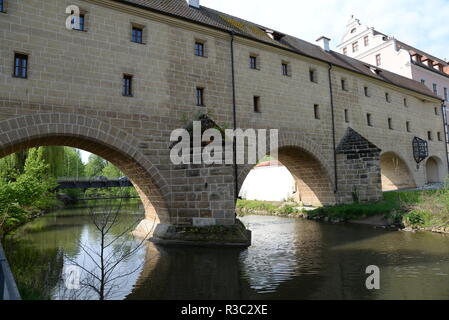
x,y
422,24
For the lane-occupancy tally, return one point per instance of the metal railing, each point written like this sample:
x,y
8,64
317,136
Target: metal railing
x,y
8,286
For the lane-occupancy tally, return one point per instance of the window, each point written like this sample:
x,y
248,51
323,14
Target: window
x,y
387,97
405,102
369,119
344,87
436,111
439,136
316,111
446,96
312,75
137,35
199,49
200,97
253,62
423,81
127,85
355,47
429,135
346,116
345,51
81,23
390,123
366,41
2,6
366,90
20,65
407,126
285,69
378,60
435,88
256,104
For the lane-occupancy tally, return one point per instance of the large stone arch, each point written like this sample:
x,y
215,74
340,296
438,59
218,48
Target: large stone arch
x,y
114,145
434,170
308,164
395,172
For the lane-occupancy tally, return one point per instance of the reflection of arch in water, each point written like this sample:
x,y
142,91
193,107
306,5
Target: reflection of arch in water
x,y
434,172
396,175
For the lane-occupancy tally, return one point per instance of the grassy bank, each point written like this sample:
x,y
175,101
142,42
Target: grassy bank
x,y
425,210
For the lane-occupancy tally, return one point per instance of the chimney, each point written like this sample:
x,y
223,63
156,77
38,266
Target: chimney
x,y
323,42
194,4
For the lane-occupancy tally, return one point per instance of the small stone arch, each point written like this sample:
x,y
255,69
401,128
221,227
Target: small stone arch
x,y
395,173
309,166
434,170
112,144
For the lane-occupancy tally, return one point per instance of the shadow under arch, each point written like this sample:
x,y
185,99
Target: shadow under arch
x,y
395,173
434,172
309,167
95,136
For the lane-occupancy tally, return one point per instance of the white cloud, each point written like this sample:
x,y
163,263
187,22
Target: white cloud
x,y
419,23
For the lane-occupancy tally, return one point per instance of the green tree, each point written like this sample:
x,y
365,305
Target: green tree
x,y
95,166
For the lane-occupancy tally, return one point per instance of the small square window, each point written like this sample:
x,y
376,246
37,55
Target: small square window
x,y
200,97
199,49
137,34
81,23
344,86
313,75
253,62
390,123
369,119
423,81
256,104
20,65
366,91
127,85
285,69
378,60
316,111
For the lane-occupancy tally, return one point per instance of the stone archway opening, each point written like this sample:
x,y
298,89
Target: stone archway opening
x,y
304,173
156,210
395,173
433,170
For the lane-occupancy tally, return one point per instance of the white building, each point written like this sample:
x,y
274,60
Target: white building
x,y
378,49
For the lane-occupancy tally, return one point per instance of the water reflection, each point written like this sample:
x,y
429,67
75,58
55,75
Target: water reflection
x,y
289,259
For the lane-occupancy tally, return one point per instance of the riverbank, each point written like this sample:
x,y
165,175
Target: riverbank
x,y
423,210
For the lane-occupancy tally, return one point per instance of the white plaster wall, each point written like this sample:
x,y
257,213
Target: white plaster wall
x,y
273,183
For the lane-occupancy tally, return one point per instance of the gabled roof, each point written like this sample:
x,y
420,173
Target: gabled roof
x,y
218,20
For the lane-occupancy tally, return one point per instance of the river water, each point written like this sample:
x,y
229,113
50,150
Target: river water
x,y
289,259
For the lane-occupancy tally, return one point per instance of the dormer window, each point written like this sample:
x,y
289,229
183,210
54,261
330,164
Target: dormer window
x,y
354,30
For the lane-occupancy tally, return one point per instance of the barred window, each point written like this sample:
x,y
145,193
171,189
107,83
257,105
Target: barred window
x,y
285,69
199,49
137,35
127,85
81,23
20,65
253,62
200,97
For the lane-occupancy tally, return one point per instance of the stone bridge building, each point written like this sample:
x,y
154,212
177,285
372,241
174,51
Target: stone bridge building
x,y
118,84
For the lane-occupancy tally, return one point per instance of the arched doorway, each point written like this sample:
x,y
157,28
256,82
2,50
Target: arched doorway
x,y
433,170
395,173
